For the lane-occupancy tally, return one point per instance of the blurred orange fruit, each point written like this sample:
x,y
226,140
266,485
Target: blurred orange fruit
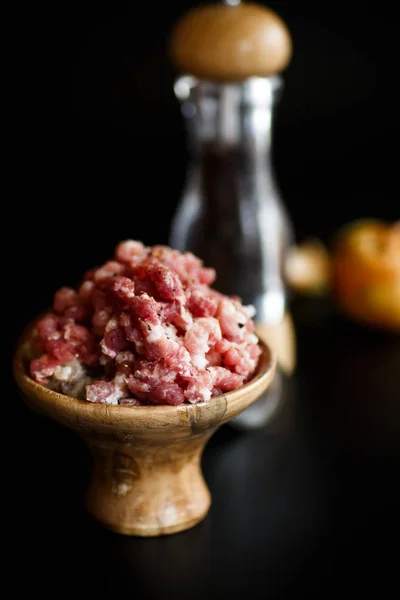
x,y
366,273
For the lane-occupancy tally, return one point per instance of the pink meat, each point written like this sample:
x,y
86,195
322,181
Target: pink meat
x,y
42,368
64,299
154,329
100,391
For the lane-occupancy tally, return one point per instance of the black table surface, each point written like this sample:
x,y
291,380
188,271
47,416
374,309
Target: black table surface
x,y
307,505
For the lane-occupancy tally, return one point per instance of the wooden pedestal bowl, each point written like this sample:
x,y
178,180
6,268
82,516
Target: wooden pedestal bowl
x,y
146,478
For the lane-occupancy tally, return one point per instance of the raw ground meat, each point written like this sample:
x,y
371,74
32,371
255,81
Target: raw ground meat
x,y
145,328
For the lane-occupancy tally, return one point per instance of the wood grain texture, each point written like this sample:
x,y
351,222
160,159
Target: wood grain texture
x,y
147,478
230,43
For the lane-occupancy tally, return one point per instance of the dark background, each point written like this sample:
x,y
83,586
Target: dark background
x,y
97,144
96,153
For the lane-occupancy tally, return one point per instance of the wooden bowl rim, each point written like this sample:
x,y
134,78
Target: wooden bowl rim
x,y
233,401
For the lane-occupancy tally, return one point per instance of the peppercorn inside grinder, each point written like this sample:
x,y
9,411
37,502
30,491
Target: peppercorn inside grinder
x,y
230,56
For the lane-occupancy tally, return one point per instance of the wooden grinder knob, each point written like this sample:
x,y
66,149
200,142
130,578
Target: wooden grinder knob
x,y
222,42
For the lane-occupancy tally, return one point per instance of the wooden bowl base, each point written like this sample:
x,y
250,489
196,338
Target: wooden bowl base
x,y
147,492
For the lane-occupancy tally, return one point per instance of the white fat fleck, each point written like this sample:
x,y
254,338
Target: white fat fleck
x,y
69,372
125,356
241,318
111,324
120,390
156,333
120,384
55,335
186,316
170,331
205,394
127,291
62,373
250,310
199,361
106,350
111,399
229,308
252,339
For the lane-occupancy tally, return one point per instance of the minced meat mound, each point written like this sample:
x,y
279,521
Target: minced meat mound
x,y
145,328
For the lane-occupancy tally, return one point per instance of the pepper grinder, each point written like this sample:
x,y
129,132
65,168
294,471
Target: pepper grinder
x,y
229,57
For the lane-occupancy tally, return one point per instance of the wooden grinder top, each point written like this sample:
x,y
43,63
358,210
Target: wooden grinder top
x,y
230,42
